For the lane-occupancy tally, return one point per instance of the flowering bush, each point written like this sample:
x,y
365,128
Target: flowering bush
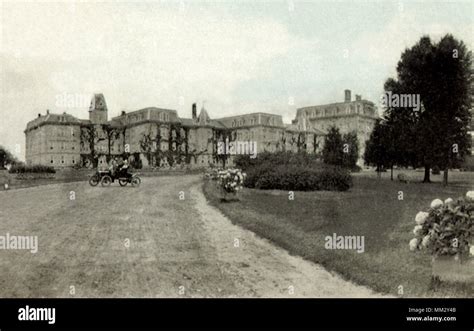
x,y
213,173
231,180
447,228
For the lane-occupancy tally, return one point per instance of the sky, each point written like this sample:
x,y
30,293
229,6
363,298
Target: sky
x,y
233,57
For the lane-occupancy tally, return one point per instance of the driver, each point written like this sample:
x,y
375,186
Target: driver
x,y
124,169
113,166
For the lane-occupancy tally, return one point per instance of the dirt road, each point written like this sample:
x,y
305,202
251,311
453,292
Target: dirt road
x,y
159,240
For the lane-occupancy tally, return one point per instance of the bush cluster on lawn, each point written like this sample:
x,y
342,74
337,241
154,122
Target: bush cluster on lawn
x,y
292,171
22,169
245,162
447,228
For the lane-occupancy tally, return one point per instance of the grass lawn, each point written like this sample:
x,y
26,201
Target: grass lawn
x,y
371,208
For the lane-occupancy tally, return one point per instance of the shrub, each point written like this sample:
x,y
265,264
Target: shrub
x,y
292,171
245,162
231,180
22,169
435,170
298,178
447,228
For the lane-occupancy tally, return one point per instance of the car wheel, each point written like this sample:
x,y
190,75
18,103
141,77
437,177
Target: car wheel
x,y
106,181
94,180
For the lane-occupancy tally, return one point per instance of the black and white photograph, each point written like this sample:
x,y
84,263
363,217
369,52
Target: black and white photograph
x,y
237,153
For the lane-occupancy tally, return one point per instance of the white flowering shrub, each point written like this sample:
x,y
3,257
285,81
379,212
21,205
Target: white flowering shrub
x,y
231,180
213,173
447,228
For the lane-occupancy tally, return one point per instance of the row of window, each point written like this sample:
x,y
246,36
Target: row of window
x,y
334,111
62,146
242,122
61,131
62,160
162,116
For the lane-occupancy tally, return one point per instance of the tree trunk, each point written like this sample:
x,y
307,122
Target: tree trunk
x,y
391,172
426,179
445,177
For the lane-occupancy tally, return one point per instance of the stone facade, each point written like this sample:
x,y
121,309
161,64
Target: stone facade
x,y
357,115
156,137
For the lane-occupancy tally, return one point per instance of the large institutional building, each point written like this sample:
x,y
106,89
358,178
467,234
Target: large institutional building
x,y
156,137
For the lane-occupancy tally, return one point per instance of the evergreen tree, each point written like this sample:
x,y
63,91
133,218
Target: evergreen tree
x,y
333,147
350,150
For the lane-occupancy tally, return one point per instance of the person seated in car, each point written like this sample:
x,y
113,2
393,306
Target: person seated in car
x,y
124,169
113,166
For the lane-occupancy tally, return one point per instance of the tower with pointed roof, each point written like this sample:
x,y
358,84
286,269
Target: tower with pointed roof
x,y
98,109
203,118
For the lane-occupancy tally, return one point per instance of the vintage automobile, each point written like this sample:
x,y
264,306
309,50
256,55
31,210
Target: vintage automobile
x,y
105,178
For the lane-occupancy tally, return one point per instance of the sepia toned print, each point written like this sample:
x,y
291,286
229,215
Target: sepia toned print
x,y
234,149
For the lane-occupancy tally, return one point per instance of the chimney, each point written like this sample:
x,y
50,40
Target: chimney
x,y
194,112
123,113
39,115
347,95
47,111
358,97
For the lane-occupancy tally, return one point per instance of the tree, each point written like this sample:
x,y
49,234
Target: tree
x,y
350,150
6,157
333,147
436,134
375,148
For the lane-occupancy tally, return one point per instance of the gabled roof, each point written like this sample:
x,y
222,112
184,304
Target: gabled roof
x,y
203,117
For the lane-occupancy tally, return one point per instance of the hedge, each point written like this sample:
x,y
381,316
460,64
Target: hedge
x,y
22,169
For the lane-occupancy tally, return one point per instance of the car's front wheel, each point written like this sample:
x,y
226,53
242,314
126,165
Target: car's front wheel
x,y
94,180
106,181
